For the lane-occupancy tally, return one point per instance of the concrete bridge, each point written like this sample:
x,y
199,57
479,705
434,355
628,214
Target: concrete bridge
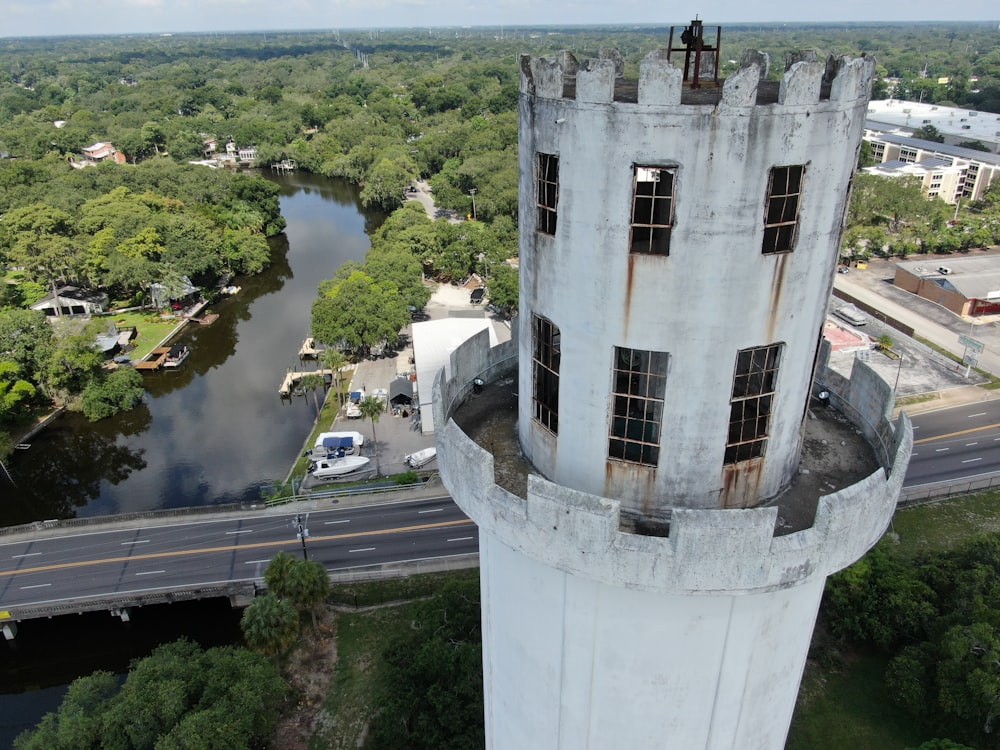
x,y
54,568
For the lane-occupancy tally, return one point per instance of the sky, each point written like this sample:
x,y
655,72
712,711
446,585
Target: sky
x,y
78,17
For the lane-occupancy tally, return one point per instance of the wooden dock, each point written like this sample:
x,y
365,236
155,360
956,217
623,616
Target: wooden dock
x,y
155,359
309,349
294,376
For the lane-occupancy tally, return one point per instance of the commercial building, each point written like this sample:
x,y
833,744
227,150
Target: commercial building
x,y
951,173
656,531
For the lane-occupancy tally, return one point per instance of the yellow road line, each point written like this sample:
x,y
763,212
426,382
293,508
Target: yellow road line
x,y
956,434
256,545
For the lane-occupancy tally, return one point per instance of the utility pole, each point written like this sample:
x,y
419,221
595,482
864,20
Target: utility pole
x,y
472,192
301,532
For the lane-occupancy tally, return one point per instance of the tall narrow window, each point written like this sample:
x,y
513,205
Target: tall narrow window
x,y
750,406
639,383
781,217
546,352
652,210
548,192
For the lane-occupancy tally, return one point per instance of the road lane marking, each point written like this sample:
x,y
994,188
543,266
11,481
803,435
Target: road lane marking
x,y
227,548
241,531
36,586
968,444
433,510
26,554
971,460
959,432
980,414
461,539
137,541
150,572
330,523
362,549
256,562
938,450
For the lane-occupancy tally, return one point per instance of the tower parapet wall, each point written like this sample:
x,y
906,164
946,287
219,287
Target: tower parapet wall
x,y
707,551
806,81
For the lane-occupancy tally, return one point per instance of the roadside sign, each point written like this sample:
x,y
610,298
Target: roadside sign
x,y
976,346
970,359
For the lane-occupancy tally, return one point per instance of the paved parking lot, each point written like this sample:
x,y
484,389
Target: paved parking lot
x,y
400,436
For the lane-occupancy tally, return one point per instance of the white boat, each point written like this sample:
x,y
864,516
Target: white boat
x,y
176,355
327,468
421,458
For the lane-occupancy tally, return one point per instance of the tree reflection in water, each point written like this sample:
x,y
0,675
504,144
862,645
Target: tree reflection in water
x,y
55,482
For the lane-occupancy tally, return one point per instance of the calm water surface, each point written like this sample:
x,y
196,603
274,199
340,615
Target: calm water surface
x,y
212,432
215,430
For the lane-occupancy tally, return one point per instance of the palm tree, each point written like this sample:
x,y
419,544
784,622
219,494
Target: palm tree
x,y
334,359
372,408
312,381
309,586
270,626
278,574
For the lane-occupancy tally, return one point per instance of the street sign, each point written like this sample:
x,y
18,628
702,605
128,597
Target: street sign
x,y
970,359
976,346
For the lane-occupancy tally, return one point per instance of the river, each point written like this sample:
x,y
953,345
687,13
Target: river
x,y
212,432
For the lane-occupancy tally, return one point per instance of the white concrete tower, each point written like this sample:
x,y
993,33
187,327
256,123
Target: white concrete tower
x,y
654,579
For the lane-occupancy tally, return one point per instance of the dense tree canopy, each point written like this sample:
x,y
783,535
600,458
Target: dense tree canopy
x,y
940,621
180,696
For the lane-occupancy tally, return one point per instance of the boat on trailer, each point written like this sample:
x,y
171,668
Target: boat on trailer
x,y
329,468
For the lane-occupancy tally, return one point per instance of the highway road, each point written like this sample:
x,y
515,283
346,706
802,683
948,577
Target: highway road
x,y
206,552
954,444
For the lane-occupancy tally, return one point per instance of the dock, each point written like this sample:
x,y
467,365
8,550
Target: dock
x,y
155,359
294,376
309,349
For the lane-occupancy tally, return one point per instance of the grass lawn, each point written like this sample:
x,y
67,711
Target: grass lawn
x,y
849,710
946,524
152,329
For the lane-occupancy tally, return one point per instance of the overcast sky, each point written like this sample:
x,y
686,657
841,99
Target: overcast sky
x,y
72,17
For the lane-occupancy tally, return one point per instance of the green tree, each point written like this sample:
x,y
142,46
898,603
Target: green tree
x,y
278,574
928,133
504,289
372,408
270,626
78,724
431,694
312,382
119,390
334,359
14,391
177,697
309,587
38,238
358,313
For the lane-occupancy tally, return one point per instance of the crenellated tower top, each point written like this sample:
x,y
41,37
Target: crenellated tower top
x,y
806,81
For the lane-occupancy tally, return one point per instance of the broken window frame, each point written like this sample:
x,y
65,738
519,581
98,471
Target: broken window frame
x,y
638,386
547,189
546,353
781,209
755,379
652,214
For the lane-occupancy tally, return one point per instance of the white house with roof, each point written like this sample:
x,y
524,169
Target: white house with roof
x,y
71,300
99,152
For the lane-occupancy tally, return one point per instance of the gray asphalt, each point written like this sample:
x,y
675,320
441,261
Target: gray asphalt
x,y
106,564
